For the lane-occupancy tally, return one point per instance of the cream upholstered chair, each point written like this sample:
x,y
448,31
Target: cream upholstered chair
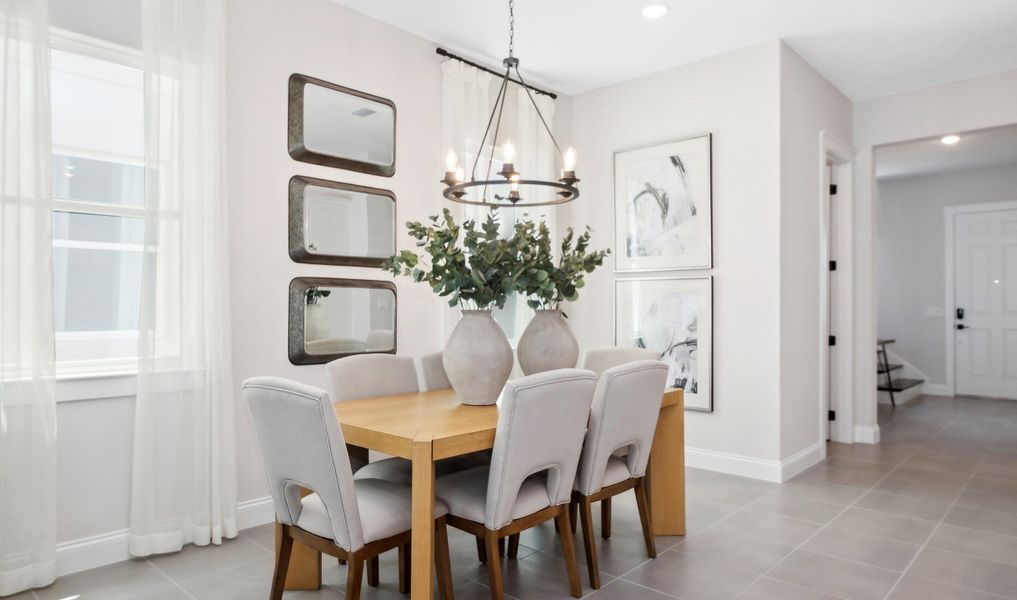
x,y
303,447
433,372
626,405
541,424
599,360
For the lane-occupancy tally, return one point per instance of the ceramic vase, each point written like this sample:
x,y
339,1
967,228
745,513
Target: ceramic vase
x,y
547,344
477,358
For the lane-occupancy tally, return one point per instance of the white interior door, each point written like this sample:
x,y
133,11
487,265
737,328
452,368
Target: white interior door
x,y
985,294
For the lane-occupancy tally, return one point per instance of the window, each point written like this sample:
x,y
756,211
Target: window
x,y
98,218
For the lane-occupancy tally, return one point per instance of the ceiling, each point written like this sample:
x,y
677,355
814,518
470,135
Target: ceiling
x,y
979,149
867,48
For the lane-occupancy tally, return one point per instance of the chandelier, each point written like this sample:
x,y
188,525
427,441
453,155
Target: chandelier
x,y
507,186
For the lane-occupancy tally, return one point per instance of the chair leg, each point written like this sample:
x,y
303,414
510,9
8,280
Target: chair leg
x,y
642,502
569,550
372,571
481,551
513,546
443,565
605,518
354,575
573,510
586,519
494,566
404,569
342,561
501,547
282,564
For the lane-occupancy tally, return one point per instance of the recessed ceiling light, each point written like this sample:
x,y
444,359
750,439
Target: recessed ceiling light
x,y
654,11
950,140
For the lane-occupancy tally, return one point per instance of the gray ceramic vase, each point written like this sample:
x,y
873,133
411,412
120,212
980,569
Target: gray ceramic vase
x,y
477,358
547,344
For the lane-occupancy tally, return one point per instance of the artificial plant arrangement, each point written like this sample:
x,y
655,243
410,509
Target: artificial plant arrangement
x,y
564,279
314,294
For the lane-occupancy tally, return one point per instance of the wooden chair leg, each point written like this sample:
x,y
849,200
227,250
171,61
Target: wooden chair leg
x,y
342,561
443,565
404,569
569,550
354,575
586,519
605,518
372,571
282,564
501,547
573,510
642,502
494,566
481,551
513,546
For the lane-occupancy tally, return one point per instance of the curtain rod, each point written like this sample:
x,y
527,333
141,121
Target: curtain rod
x,y
447,54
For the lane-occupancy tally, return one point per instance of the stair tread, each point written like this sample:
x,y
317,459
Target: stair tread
x,y
891,367
899,385
885,341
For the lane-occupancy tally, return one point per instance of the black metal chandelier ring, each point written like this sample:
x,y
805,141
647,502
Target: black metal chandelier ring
x,y
567,192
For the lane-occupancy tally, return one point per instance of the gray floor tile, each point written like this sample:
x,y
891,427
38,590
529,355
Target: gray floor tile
x,y
926,475
691,577
26,595
541,576
263,535
940,492
990,546
774,589
966,571
797,507
916,588
982,520
835,576
998,501
824,492
918,508
615,556
123,580
195,561
848,477
734,490
863,547
620,589
889,525
739,551
769,527
248,580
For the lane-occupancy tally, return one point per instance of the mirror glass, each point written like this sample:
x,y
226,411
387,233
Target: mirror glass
x,y
338,223
340,319
341,127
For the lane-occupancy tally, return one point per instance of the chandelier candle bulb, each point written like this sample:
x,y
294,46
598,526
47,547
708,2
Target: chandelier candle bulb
x,y
508,153
460,175
451,169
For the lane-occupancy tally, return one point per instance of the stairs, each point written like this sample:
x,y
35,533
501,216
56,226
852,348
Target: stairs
x,y
887,382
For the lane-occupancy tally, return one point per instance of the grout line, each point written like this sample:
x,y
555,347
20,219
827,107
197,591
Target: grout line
x,y
173,581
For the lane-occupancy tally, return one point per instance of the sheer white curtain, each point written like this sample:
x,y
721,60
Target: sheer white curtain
x,y
184,472
27,405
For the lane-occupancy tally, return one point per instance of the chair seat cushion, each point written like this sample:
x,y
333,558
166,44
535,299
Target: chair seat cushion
x,y
465,494
385,510
400,470
617,470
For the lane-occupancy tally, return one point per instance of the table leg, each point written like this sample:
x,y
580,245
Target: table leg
x,y
304,572
667,472
422,580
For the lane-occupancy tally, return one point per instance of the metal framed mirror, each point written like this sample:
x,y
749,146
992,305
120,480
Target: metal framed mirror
x,y
340,127
334,223
331,318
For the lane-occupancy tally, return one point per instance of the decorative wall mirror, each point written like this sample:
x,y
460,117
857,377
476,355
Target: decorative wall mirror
x,y
336,223
332,318
335,126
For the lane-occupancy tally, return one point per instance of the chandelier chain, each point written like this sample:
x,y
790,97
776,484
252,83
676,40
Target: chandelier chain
x,y
512,28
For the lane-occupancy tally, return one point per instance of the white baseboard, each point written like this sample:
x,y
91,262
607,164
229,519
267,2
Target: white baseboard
x,y
108,548
867,434
936,389
756,468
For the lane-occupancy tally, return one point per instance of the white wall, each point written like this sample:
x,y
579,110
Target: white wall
x,y
809,104
981,102
734,97
910,256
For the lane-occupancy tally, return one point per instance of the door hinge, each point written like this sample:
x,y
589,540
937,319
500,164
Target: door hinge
x,y
833,189
833,265
831,415
833,340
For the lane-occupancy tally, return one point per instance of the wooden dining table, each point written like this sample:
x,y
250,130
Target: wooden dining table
x,y
429,426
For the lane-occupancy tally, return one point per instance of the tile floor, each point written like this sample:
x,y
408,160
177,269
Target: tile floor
x,y
930,513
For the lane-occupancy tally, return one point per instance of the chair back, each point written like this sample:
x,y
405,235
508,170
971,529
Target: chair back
x,y
599,360
541,424
302,446
626,405
433,371
366,375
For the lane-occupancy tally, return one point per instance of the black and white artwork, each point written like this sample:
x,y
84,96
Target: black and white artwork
x,y
663,197
673,317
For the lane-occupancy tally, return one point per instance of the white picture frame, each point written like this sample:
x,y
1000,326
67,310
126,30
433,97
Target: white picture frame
x,y
674,317
663,203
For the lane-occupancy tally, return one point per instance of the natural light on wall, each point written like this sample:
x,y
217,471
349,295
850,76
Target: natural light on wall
x,y
98,225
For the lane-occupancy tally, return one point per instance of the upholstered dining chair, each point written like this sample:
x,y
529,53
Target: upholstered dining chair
x,y
433,372
303,447
626,405
541,424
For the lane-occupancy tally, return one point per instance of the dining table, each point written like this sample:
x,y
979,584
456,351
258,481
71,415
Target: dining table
x,y
426,427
